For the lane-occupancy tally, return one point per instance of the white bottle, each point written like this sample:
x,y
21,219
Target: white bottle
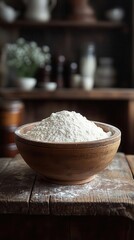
x,y
88,67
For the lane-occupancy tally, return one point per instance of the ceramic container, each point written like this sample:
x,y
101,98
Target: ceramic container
x,y
11,116
115,14
7,13
50,86
87,83
39,10
26,83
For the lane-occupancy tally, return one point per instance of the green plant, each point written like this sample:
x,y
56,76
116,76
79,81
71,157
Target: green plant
x,y
26,57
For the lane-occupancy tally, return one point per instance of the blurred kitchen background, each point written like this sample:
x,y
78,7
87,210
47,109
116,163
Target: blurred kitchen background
x,y
72,54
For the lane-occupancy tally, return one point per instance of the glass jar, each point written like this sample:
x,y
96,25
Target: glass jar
x,y
106,73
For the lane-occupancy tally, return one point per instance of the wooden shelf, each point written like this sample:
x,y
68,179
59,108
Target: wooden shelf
x,y
63,23
69,94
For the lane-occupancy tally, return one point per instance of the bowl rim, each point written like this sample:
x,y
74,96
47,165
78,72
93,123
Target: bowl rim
x,y
116,136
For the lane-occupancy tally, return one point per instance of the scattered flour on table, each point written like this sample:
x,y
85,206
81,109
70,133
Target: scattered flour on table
x,y
66,126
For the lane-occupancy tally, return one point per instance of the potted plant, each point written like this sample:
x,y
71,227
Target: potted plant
x,y
24,58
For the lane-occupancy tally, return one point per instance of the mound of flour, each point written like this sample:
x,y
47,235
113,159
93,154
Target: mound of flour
x,y
66,126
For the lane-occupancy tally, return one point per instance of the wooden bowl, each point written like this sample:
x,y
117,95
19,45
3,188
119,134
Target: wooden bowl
x,y
68,163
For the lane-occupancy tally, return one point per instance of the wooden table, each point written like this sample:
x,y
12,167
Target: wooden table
x,y
31,208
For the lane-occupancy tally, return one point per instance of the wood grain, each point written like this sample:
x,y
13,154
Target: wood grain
x,y
4,163
16,181
111,193
58,24
130,159
70,94
39,202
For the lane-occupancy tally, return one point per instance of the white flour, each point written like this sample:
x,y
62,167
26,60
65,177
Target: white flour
x,y
66,126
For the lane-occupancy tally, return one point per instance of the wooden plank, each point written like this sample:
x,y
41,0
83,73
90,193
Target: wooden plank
x,y
39,202
59,23
4,163
69,94
130,126
16,182
130,159
110,193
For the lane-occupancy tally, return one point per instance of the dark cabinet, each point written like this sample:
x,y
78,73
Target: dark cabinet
x,y
66,36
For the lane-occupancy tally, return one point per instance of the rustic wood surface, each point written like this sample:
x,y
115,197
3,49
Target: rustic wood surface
x,y
16,182
111,192
130,159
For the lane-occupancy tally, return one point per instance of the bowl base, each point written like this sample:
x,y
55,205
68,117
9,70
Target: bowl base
x,y
66,182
